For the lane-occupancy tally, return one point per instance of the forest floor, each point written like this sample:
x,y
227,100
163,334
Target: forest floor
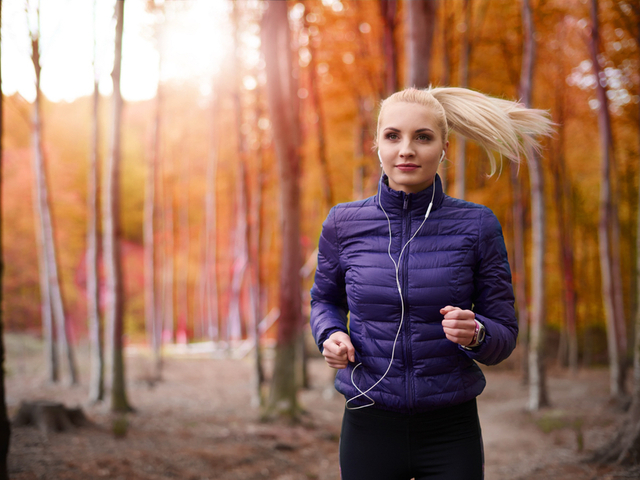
x,y
198,423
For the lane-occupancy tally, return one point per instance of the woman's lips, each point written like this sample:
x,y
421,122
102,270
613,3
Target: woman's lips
x,y
407,167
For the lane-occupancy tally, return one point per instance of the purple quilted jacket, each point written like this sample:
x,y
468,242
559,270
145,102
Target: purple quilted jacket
x,y
458,258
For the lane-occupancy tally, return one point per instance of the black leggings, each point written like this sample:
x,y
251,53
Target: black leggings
x,y
445,444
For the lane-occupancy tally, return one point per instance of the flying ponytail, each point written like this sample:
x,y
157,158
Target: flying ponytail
x,y
502,126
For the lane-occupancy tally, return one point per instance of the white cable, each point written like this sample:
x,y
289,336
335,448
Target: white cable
x,y
397,268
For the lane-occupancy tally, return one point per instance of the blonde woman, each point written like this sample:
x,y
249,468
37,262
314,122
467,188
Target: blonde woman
x,y
426,283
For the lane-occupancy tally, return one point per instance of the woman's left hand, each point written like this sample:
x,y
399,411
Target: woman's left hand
x,y
459,325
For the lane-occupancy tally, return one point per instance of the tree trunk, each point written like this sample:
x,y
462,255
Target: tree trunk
x,y
625,446
325,180
111,234
461,142
210,254
538,397
5,427
284,115
616,355
49,266
563,197
154,327
420,21
255,291
388,9
241,250
96,378
184,239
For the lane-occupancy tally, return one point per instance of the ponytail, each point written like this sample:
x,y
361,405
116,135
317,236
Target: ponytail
x,y
502,126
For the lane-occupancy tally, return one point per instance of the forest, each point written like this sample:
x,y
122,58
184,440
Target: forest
x,y
166,167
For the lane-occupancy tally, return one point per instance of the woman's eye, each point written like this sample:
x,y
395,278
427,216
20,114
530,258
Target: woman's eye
x,y
424,138
391,136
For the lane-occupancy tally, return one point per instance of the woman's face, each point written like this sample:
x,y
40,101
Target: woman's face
x,y
410,146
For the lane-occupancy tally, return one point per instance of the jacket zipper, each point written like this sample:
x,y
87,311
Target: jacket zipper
x,y
406,218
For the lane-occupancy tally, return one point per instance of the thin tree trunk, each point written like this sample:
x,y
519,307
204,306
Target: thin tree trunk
x,y
241,251
563,197
284,113
461,142
538,396
255,291
210,256
420,21
47,237
96,378
388,10
111,234
184,239
151,311
5,427
606,210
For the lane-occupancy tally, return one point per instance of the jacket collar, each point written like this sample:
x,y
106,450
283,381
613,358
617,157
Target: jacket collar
x,y
417,203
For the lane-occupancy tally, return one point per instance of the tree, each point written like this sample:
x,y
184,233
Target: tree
x,y
51,294
538,396
420,20
281,94
112,235
5,427
388,10
151,307
463,75
624,447
607,245
241,236
96,379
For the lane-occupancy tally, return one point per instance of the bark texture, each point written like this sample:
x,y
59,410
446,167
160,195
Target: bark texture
x,y
284,115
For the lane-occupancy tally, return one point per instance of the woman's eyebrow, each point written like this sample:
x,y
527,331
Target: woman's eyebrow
x,y
422,130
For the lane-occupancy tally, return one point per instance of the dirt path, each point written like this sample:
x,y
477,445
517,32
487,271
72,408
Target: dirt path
x,y
198,423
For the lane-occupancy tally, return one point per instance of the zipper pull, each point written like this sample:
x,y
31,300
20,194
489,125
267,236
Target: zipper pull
x,y
406,201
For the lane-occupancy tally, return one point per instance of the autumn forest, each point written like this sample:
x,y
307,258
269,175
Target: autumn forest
x,y
189,216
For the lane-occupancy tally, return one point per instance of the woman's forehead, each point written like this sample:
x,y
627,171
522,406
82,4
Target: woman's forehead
x,y
405,113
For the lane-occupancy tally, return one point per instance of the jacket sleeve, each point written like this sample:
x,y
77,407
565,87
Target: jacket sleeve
x,y
328,295
493,300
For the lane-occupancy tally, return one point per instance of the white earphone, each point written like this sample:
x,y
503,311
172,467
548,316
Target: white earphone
x,y
397,268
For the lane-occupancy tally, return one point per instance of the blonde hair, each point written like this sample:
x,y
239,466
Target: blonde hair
x,y
498,125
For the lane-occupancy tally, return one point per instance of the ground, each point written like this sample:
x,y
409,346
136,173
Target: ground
x,y
199,423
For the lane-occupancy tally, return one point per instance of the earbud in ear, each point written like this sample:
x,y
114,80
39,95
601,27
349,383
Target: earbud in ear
x,y
380,157
442,156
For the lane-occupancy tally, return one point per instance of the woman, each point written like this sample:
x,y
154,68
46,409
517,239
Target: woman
x,y
427,284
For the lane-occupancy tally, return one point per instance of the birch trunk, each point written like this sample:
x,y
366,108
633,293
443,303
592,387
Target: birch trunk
x,y
461,142
49,266
607,271
149,229
624,447
111,234
241,234
284,114
255,291
538,396
209,273
96,378
184,239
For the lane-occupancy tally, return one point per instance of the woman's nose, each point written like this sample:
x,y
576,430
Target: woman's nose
x,y
406,150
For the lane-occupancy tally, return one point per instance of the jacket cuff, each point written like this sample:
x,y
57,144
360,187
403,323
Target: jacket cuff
x,y
326,334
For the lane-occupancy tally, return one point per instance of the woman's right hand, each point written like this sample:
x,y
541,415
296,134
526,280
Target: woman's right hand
x,y
338,350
